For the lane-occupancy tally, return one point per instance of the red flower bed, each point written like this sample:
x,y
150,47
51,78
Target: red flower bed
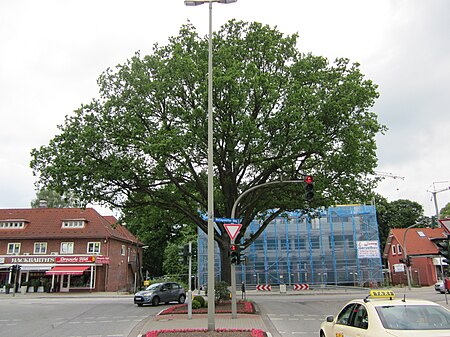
x,y
220,308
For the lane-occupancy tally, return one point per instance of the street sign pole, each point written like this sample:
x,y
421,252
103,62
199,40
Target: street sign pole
x,y
233,289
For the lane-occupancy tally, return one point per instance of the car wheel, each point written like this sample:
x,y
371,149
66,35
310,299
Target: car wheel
x,y
181,299
140,304
155,301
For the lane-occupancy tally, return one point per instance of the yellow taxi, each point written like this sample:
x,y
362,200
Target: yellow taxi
x,y
381,315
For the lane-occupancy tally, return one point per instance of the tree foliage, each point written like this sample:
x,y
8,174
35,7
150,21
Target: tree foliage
x,y
278,114
55,200
400,213
445,212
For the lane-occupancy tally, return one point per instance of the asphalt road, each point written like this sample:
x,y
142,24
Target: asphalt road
x,y
290,314
301,315
70,317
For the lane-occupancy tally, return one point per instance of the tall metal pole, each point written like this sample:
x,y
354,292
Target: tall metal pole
x,y
233,215
211,287
190,282
408,270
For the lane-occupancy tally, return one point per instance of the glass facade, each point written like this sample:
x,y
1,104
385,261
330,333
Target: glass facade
x,y
338,247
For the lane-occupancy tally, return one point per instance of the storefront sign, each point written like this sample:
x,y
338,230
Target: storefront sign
x,y
32,259
102,259
75,259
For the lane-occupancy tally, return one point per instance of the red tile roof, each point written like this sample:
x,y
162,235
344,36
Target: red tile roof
x,y
47,222
419,244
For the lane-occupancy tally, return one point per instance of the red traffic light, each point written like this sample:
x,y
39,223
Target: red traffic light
x,y
233,248
309,179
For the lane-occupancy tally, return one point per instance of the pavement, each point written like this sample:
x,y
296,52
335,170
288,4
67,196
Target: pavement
x,y
259,320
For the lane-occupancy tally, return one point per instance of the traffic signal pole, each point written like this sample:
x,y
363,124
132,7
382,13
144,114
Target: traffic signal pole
x,y
233,289
233,215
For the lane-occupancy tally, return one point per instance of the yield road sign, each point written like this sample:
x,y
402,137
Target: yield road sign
x,y
232,230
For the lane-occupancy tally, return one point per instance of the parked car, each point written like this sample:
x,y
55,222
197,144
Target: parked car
x,y
440,287
381,315
160,292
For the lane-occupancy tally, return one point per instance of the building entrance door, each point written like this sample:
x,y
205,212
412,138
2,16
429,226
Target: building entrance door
x,y
65,283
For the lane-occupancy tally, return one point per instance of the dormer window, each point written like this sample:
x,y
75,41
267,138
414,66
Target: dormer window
x,y
12,224
79,223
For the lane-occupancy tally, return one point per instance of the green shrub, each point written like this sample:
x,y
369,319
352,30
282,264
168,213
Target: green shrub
x,y
196,304
222,292
200,299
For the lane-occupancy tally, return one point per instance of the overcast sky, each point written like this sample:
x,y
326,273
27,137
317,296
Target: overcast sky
x,y
53,51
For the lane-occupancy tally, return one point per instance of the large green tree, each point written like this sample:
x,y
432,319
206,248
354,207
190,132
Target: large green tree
x,y
54,199
400,213
278,114
445,212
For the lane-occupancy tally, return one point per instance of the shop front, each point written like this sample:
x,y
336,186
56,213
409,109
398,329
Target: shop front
x,y
52,273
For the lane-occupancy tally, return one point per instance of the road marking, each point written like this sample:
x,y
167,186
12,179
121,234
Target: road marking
x,y
293,319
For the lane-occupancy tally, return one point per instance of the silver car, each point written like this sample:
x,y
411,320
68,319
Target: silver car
x,y
160,292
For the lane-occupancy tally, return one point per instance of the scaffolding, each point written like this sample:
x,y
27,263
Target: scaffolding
x,y
297,248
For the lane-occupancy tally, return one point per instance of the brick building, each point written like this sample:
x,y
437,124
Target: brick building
x,y
68,250
426,263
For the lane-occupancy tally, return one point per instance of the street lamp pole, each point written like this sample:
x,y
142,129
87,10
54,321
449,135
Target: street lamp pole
x,y
211,279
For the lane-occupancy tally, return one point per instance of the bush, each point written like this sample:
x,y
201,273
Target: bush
x,y
200,299
196,304
222,292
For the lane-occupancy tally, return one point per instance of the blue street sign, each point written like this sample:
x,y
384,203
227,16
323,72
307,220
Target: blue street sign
x,y
227,220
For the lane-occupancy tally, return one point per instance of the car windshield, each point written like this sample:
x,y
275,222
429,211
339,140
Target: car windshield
x,y
414,317
154,286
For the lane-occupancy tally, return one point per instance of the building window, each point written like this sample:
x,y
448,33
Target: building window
x,y
13,248
421,234
122,250
73,224
93,248
399,249
40,247
12,224
66,247
394,251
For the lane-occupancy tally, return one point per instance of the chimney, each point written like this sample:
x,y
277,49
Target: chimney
x,y
42,203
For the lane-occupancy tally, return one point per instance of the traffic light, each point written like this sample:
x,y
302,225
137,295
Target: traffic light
x,y
242,257
309,187
184,253
234,254
406,261
444,248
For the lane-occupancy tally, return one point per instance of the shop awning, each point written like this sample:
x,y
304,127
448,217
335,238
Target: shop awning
x,y
67,270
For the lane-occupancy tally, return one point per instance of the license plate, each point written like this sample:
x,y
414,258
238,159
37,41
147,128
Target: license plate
x,y
138,298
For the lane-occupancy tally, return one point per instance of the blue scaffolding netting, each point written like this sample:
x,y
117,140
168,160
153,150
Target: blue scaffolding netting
x,y
338,246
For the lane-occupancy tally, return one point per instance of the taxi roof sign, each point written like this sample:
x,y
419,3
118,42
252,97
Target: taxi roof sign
x,y
382,294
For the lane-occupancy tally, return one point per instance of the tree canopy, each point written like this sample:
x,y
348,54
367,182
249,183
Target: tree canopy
x,y
445,212
278,114
54,200
400,213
